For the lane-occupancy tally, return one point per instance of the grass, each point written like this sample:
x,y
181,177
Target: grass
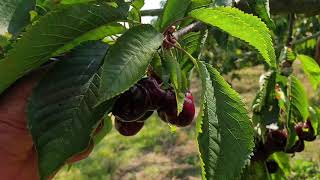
x,y
158,153
115,154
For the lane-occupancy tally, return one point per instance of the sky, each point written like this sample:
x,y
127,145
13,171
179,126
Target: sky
x,y
150,4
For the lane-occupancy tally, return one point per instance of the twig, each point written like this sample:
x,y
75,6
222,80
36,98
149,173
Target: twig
x,y
291,20
151,12
302,40
194,27
175,22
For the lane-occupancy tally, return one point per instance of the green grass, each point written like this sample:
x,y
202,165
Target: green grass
x,y
116,151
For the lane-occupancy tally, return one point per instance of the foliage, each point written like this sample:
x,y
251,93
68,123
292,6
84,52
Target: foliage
x,y
61,124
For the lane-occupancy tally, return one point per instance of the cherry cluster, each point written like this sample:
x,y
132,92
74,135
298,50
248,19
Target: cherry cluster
x,y
277,139
136,105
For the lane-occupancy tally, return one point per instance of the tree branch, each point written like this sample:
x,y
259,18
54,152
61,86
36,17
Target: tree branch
x,y
194,27
291,20
299,41
308,7
151,12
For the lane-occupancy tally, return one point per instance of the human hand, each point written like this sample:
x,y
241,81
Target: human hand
x,y
18,154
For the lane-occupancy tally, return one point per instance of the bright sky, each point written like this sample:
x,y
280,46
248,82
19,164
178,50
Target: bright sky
x,y
150,4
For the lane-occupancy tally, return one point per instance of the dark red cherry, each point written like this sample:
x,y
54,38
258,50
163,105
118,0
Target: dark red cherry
x,y
299,130
162,115
168,108
259,153
128,128
187,115
132,104
305,131
145,116
297,147
169,114
272,166
276,140
155,93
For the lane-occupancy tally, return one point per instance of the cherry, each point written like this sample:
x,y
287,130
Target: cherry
x,y
187,115
305,131
145,116
168,108
132,104
162,115
169,112
128,128
276,141
259,153
297,147
272,166
154,92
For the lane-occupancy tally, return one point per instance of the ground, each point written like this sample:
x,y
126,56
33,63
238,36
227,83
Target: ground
x,y
160,152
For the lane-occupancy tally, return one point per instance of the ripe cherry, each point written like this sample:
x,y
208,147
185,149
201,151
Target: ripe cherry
x,y
132,104
305,131
259,153
145,116
297,147
187,115
128,128
154,92
169,112
276,140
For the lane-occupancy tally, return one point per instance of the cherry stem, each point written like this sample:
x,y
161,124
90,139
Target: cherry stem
x,y
175,22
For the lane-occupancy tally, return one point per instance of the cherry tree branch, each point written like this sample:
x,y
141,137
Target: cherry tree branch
x,y
151,12
302,40
308,7
194,27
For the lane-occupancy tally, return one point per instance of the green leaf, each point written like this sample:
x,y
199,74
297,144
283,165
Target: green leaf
x,y
95,34
134,13
298,100
195,4
226,135
262,10
209,137
61,116
127,60
297,108
312,69
191,42
315,118
21,16
138,4
7,9
74,1
241,25
176,77
283,161
53,31
173,10
265,105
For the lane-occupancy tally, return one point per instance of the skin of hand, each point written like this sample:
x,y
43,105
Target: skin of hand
x,y
17,152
